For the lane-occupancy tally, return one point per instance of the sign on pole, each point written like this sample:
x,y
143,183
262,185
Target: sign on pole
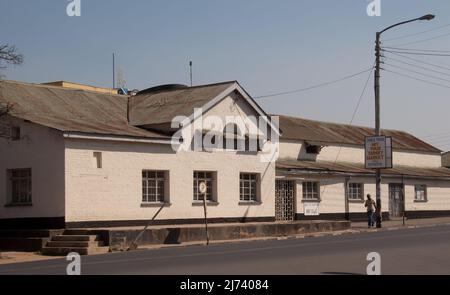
x,y
202,188
378,152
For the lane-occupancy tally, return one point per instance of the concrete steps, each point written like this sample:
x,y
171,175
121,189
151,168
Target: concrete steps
x,y
27,240
74,241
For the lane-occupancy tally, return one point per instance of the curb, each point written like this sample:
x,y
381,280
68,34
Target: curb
x,y
291,237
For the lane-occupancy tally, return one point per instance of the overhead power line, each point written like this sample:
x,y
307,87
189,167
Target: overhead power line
x,y
418,73
417,66
415,53
416,34
424,40
314,86
421,61
355,111
412,49
418,79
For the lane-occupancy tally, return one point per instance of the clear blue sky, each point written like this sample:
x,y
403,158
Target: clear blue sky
x,y
268,46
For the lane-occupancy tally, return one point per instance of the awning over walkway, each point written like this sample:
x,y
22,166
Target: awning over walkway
x,y
342,168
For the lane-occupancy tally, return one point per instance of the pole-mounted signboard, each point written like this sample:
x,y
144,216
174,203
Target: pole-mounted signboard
x,y
378,152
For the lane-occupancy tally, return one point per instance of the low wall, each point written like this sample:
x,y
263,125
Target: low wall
x,y
121,239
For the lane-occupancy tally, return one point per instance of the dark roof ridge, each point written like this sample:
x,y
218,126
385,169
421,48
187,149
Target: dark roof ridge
x,y
339,124
179,89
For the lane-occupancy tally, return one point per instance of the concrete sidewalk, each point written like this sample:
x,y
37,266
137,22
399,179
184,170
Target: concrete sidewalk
x,y
398,224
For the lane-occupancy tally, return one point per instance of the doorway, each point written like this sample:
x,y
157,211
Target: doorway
x,y
396,198
284,200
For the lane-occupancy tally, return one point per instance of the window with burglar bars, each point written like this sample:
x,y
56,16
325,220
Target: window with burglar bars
x,y
153,183
355,191
20,186
248,187
207,177
420,193
311,190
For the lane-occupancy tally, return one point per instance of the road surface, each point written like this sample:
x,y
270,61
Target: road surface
x,y
405,251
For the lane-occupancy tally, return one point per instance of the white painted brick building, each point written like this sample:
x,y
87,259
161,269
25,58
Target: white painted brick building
x,y
72,158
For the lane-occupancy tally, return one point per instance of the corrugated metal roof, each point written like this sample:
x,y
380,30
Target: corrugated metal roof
x,y
162,106
353,168
332,133
71,110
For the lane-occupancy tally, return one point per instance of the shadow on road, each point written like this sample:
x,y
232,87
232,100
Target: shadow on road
x,y
341,273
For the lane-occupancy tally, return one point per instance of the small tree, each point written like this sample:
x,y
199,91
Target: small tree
x,y
9,55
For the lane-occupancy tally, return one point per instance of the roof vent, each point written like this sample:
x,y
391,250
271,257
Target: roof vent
x,y
167,87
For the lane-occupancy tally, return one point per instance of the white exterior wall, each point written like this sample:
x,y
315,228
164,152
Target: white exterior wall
x,y
438,195
114,192
332,192
295,150
42,150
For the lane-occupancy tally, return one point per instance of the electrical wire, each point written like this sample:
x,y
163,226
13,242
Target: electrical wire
x,y
418,73
415,53
355,111
412,49
421,61
424,40
418,79
417,66
415,34
314,86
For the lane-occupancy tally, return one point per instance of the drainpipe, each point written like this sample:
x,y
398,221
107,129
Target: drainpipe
x,y
347,206
404,200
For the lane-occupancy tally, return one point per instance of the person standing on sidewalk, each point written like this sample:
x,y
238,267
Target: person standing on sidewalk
x,y
371,207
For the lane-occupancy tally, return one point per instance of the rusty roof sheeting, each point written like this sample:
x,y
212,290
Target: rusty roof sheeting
x,y
333,133
71,110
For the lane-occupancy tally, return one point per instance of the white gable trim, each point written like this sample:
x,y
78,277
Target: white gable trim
x,y
77,135
209,105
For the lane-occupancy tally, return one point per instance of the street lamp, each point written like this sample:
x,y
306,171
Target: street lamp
x,y
377,104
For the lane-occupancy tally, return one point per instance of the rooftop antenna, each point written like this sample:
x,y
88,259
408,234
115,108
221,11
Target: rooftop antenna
x,y
114,71
190,71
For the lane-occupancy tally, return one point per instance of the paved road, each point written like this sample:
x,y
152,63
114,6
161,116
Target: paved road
x,y
406,251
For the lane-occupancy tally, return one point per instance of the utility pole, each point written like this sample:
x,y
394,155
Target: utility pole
x,y
377,125
377,75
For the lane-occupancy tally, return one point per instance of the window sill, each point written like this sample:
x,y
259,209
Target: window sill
x,y
19,205
208,203
153,205
311,200
420,201
249,203
356,201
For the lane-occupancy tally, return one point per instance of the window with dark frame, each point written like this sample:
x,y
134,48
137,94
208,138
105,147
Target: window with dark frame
x,y
15,133
311,190
207,177
20,186
355,191
248,187
153,183
420,193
